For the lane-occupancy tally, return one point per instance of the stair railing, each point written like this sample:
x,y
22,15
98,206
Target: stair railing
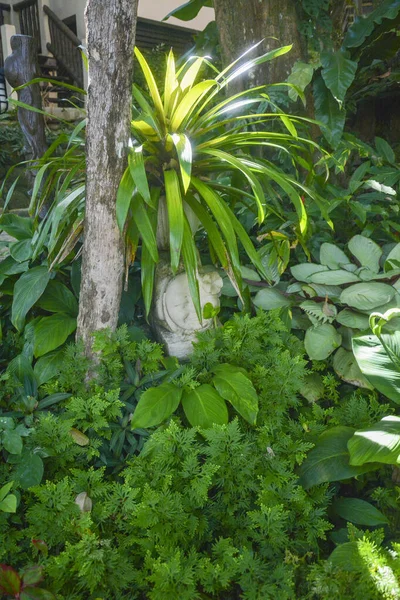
x,y
64,46
3,8
28,14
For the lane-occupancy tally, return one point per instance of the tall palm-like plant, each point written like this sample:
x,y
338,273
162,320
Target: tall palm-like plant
x,y
184,137
187,140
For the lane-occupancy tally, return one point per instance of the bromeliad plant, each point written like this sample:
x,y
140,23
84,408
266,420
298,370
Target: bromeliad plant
x,y
189,145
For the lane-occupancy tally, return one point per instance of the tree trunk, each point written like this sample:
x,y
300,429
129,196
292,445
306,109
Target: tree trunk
x,y
243,23
111,35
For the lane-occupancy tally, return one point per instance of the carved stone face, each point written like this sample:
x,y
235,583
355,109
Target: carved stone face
x,y
178,308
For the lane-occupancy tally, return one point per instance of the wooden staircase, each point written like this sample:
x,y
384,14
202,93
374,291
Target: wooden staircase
x,y
65,64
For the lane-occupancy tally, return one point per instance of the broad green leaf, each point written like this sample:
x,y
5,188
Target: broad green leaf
x,y
345,365
367,296
21,228
35,593
29,471
189,10
380,363
312,387
379,443
32,575
329,460
12,441
6,489
359,512
321,341
155,405
332,256
184,152
303,271
9,266
21,251
270,298
175,216
347,557
328,112
138,173
27,291
385,150
191,73
20,367
48,366
237,389
338,72
336,277
9,504
203,407
300,77
366,252
52,332
58,298
353,319
394,255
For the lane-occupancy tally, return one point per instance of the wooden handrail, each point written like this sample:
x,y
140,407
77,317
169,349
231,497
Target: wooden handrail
x,y
24,4
62,26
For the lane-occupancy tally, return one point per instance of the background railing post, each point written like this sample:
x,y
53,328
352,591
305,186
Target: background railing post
x,y
44,26
6,33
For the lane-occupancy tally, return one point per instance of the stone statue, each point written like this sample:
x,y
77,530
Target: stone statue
x,y
19,68
174,316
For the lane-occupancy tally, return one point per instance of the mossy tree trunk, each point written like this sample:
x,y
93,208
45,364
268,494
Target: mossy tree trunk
x,y
111,34
243,23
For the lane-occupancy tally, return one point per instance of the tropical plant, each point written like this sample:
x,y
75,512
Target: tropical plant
x,y
332,300
343,77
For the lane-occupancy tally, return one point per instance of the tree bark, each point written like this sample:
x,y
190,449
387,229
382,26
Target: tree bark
x,y
111,29
243,23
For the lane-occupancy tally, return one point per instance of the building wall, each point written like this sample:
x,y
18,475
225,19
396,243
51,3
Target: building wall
x,y
149,9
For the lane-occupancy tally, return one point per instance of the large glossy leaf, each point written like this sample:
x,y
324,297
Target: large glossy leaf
x,y
328,112
346,367
58,298
29,471
367,296
330,459
155,405
144,225
10,581
187,106
366,251
321,341
188,10
237,389
359,511
203,407
353,319
27,291
189,254
300,77
304,271
125,193
51,332
270,298
20,228
338,72
380,363
175,216
48,366
332,256
336,277
21,251
379,443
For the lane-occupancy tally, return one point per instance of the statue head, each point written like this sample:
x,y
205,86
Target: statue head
x,y
176,307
